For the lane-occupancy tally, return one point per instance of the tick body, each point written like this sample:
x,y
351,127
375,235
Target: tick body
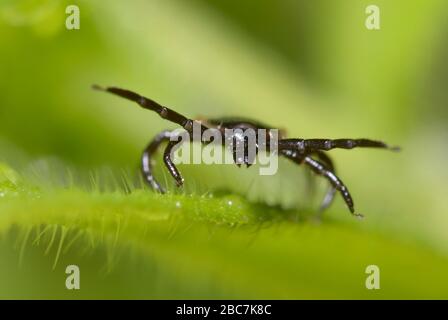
x,y
309,152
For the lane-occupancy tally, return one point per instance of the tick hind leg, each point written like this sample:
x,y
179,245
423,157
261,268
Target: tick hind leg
x,y
334,180
325,168
150,150
329,196
313,145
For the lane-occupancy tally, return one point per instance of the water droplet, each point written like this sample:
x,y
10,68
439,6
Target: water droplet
x,y
178,204
229,202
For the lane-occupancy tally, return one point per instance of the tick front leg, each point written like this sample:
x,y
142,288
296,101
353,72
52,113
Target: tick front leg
x,y
337,183
146,159
329,196
151,149
299,158
313,145
170,148
146,103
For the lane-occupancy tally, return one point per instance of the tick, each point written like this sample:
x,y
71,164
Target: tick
x,y
309,152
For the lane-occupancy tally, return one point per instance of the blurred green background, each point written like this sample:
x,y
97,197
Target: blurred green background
x,y
311,67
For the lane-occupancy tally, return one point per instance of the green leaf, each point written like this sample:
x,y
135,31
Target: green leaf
x,y
146,245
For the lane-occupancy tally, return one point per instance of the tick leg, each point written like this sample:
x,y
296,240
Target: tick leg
x,y
171,147
312,145
329,196
299,158
320,169
149,152
146,159
146,103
